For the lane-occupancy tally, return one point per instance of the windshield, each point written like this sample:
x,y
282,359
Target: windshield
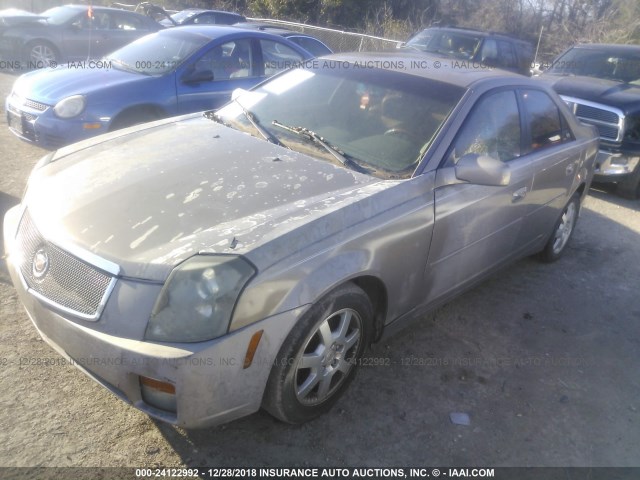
x,y
183,16
379,121
450,44
60,15
157,53
619,66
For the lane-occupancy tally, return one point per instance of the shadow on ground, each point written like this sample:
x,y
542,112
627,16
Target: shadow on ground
x,y
6,202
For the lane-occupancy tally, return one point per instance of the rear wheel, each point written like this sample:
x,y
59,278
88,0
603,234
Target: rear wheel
x,y
562,231
318,360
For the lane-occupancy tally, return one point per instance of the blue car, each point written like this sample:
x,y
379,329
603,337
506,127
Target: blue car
x,y
170,72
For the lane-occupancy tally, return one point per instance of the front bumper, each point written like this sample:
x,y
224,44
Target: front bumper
x,y
36,123
615,166
212,385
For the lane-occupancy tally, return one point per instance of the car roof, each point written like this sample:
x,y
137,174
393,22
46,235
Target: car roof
x,y
412,63
274,29
216,31
206,30
98,7
474,31
264,27
201,10
612,47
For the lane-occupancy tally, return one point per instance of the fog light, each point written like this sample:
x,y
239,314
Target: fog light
x,y
158,394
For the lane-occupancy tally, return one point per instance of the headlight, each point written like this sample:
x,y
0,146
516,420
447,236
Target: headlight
x,y
70,106
197,301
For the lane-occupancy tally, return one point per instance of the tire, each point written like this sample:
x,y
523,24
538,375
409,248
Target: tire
x,y
42,53
133,117
630,188
562,231
318,360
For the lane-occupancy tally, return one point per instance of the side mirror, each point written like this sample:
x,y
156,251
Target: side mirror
x,y
482,170
198,76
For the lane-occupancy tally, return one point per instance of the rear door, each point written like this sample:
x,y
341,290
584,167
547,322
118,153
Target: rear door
x,y
554,154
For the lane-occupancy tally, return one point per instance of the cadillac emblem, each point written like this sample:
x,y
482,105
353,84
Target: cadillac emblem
x,y
40,264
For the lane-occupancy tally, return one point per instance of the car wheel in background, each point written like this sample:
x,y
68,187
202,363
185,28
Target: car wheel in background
x,y
562,231
630,188
318,359
42,54
134,117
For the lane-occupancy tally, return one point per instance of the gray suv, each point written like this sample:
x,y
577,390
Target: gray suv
x,y
487,48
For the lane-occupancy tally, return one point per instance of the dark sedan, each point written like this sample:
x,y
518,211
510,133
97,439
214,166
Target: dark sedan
x,y
72,32
199,16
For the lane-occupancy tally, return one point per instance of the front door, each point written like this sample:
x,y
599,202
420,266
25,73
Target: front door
x,y
477,226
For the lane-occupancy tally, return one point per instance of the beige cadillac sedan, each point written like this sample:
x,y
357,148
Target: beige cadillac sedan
x,y
205,266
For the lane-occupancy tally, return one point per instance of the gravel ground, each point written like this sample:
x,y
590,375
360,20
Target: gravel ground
x,y
543,358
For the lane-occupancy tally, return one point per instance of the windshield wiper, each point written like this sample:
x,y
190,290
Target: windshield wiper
x,y
268,136
319,140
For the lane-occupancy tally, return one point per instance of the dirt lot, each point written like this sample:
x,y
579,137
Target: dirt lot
x,y
544,359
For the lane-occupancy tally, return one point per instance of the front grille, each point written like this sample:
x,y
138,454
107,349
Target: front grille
x,y
586,111
607,131
608,122
65,281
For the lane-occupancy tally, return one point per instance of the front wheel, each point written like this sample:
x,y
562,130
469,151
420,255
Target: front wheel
x,y
630,188
319,357
42,54
133,117
562,231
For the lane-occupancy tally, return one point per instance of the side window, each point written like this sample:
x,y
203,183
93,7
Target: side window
x,y
98,21
227,61
278,57
489,55
547,125
506,55
127,22
224,19
205,18
492,128
311,45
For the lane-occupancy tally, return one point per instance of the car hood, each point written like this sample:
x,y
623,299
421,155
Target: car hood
x,y
154,195
625,96
51,85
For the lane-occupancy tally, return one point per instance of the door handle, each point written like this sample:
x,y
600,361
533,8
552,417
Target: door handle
x,y
570,169
519,194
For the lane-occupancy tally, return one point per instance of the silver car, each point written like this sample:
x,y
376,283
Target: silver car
x,y
205,266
